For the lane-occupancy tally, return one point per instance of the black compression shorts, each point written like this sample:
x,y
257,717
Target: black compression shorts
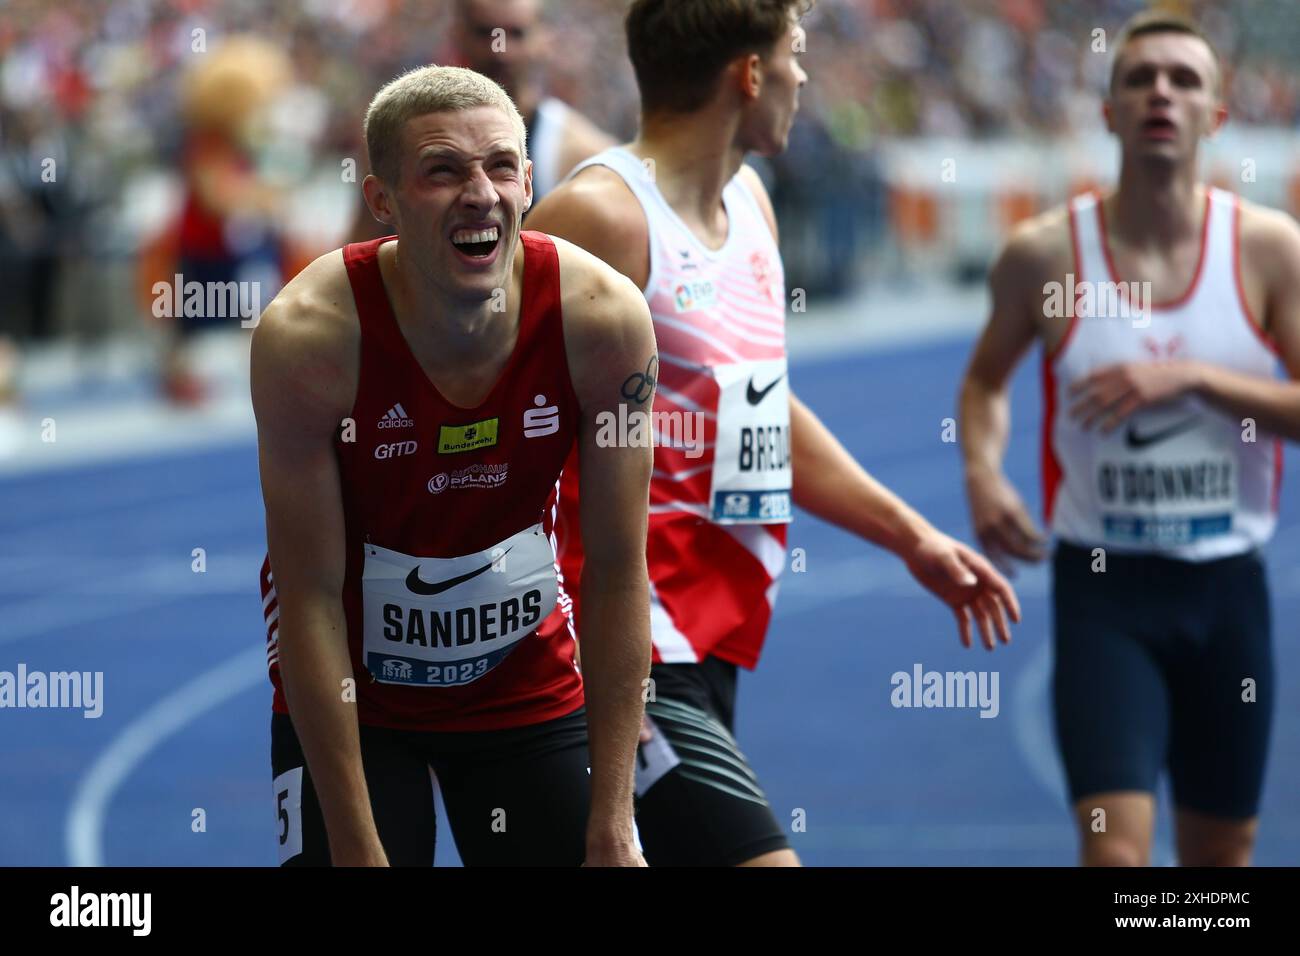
x,y
698,801
517,797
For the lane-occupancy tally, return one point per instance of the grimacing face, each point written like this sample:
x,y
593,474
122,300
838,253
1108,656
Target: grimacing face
x,y
1165,97
459,200
767,127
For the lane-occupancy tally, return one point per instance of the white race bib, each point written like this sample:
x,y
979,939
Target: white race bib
x,y
752,473
1168,478
445,622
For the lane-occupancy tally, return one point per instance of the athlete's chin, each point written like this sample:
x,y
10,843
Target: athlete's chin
x,y
1159,154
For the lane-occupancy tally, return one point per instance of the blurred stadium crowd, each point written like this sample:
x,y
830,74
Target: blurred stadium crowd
x,y
104,136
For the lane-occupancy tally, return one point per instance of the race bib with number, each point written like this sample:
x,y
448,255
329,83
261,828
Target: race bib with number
x,y
752,473
1163,480
288,812
445,622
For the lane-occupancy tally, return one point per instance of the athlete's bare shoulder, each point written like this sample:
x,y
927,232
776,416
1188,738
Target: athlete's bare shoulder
x,y
597,211
1270,242
317,301
1040,249
607,323
1270,272
306,343
595,297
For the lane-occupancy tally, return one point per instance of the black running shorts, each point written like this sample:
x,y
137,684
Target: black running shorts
x,y
698,801
517,797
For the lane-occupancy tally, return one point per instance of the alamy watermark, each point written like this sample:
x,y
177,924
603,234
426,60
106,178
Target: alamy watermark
x,y
75,908
212,300
1111,300
922,688
637,429
76,690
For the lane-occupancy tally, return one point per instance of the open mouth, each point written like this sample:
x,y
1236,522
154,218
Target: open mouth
x,y
1159,126
477,243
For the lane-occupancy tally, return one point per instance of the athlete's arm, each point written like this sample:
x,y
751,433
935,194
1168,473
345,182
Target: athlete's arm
x,y
610,344
831,485
300,385
1270,243
1001,521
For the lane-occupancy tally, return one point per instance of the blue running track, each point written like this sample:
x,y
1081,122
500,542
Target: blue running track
x,y
95,575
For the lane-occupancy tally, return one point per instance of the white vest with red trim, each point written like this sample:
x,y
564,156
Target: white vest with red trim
x,y
720,495
1180,479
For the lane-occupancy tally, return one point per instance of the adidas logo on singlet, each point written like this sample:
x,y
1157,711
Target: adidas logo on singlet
x,y
396,417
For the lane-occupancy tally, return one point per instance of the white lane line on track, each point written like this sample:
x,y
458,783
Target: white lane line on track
x,y
84,828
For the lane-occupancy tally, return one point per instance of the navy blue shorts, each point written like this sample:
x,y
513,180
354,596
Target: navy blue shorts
x,y
1154,659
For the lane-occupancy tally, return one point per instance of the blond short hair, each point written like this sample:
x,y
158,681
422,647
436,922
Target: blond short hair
x,y
429,89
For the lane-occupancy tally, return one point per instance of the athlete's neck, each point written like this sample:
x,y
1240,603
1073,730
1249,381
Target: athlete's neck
x,y
465,331
695,156
1156,204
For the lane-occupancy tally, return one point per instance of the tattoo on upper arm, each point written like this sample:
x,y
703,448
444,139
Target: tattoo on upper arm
x,y
640,386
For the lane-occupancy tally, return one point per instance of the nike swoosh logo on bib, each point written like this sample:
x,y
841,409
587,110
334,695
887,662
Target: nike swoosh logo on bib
x,y
417,586
1134,440
753,396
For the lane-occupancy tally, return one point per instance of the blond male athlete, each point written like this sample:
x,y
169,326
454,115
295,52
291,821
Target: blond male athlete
x,y
416,399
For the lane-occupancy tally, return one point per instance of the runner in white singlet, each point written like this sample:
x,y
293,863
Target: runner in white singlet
x,y
1162,308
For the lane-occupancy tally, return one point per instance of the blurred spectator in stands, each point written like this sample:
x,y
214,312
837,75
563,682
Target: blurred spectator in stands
x,y
102,83
227,230
508,41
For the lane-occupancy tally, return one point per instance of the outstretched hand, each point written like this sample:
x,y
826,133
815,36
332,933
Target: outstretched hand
x,y
965,581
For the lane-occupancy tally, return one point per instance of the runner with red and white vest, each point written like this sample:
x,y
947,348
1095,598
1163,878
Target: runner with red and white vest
x,y
1162,308
720,493
417,397
678,213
